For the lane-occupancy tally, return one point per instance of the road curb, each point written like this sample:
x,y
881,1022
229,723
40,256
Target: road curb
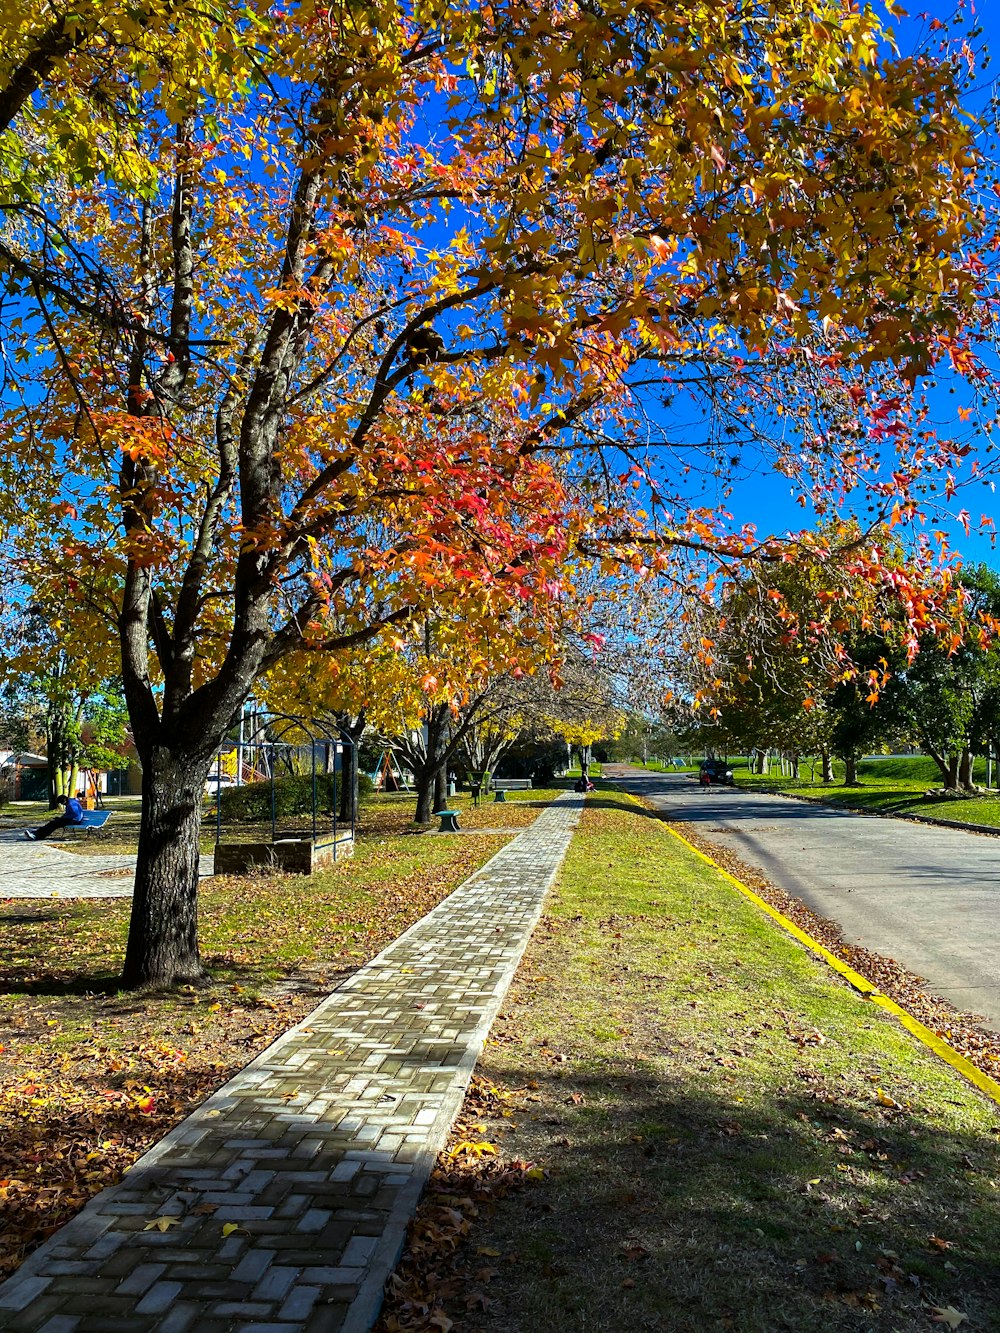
x,y
864,987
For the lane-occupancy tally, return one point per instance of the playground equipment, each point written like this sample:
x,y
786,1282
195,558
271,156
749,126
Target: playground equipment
x,y
388,775
292,850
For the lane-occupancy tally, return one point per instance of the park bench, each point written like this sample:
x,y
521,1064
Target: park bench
x,y
449,821
91,819
503,785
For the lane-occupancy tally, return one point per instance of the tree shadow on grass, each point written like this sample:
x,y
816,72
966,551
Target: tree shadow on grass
x,y
666,1209
622,804
22,982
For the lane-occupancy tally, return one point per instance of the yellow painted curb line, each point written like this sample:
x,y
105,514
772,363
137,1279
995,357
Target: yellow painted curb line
x,y
930,1039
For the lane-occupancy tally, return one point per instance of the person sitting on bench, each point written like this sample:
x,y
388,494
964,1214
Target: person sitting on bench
x,y
73,814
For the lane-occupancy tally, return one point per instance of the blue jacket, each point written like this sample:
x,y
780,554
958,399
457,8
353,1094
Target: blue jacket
x,y
74,811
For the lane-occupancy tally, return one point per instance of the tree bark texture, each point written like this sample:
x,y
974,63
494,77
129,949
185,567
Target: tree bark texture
x,y
947,766
352,727
424,780
827,762
348,811
851,771
162,945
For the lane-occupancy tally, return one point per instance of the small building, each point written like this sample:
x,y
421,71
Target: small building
x,y
28,774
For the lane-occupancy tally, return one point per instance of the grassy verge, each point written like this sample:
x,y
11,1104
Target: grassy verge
x,y
889,786
723,1135
90,1078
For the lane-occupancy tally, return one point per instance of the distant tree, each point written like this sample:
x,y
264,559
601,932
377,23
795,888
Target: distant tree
x,y
948,698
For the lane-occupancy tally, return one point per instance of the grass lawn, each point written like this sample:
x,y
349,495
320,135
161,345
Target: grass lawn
x,y
723,1135
90,1077
662,766
386,814
889,786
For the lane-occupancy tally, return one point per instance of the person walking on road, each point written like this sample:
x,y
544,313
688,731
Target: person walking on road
x,y
72,814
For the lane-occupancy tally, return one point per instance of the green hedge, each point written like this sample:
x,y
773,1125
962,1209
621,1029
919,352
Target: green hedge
x,y
292,796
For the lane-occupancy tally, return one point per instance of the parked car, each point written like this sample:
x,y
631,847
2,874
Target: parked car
x,y
715,773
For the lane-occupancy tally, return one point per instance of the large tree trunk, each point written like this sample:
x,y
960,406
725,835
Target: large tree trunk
x,y
851,771
423,776
965,770
354,729
163,934
441,788
433,757
947,766
827,762
348,811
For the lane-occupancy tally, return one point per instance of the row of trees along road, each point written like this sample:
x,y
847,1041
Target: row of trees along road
x,y
444,699
782,666
318,322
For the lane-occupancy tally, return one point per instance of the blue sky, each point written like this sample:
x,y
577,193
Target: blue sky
x,y
765,499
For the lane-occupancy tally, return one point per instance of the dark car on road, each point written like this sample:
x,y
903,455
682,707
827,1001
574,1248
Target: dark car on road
x,y
715,773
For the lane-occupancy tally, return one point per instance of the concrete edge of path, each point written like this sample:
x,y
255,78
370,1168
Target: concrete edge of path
x,y
861,984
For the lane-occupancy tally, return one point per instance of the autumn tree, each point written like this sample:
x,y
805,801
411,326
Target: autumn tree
x,y
809,656
62,690
375,297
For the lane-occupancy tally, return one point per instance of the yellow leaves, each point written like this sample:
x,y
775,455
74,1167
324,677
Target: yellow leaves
x,y
233,1229
884,1099
948,1316
467,1148
161,1224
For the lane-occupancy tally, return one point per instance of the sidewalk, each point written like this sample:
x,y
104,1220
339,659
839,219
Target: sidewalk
x,y
283,1200
45,870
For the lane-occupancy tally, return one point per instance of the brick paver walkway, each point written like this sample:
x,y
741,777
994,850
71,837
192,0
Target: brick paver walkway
x,y
45,870
40,870
317,1151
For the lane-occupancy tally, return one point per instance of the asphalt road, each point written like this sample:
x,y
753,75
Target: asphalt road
x,y
928,897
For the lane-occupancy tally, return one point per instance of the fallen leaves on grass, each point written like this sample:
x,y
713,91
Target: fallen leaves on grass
x,y
435,1268
962,1031
90,1081
465,1148
947,1315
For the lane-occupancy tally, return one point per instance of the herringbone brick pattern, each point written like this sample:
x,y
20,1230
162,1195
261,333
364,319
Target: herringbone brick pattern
x,y
314,1156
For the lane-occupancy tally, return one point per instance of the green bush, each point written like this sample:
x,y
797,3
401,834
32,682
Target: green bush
x,y
292,796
